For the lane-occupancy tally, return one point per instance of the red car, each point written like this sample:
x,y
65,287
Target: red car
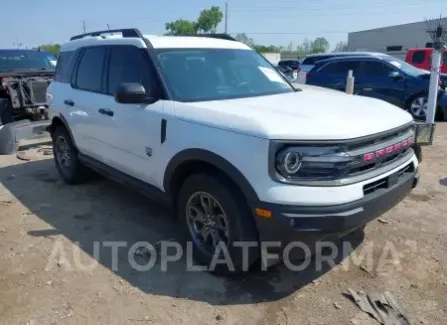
x,y
421,58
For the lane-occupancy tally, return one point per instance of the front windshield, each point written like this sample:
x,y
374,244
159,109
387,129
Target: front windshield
x,y
214,74
406,68
26,59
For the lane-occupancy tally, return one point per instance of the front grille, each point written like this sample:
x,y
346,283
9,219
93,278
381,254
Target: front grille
x,y
378,138
373,145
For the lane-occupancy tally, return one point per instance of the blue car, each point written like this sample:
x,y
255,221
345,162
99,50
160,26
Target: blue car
x,y
383,77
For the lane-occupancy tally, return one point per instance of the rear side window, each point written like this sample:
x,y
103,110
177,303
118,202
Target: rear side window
x,y
127,64
314,59
418,57
89,74
444,57
340,67
65,65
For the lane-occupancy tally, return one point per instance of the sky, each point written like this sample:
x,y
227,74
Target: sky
x,y
268,22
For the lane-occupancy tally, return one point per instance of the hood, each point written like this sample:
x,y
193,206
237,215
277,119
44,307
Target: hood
x,y
26,73
313,114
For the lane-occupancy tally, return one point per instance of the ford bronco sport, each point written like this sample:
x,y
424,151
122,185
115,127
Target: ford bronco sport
x,y
210,127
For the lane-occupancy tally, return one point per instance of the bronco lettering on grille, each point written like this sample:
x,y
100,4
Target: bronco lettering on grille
x,y
388,150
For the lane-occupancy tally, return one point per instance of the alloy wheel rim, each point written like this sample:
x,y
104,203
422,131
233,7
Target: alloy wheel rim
x,y
63,154
419,107
207,222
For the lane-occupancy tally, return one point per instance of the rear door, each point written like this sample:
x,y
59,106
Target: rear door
x,y
373,80
87,95
307,65
333,75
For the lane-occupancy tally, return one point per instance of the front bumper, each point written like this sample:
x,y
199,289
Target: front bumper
x,y
12,133
309,224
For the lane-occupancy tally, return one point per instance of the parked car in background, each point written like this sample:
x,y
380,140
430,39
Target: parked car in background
x,y
287,73
383,77
293,65
421,58
310,60
24,78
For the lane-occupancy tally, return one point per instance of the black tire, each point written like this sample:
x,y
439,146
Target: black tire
x,y
74,172
415,99
5,111
240,222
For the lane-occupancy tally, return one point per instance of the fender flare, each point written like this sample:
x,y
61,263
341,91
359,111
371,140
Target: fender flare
x,y
61,119
215,160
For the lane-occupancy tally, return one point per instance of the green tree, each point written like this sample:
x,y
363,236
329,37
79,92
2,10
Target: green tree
x,y
341,47
320,45
209,19
243,38
53,48
181,27
206,23
267,49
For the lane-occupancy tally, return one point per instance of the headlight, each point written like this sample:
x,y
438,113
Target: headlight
x,y
311,163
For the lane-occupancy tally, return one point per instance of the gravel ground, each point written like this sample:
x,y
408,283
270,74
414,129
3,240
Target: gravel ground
x,y
50,233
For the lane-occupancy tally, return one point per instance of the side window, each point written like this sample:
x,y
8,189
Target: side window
x,y
340,67
127,64
374,69
418,57
65,65
444,57
89,73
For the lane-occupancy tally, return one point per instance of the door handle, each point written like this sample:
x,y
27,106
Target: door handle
x,y
69,102
105,111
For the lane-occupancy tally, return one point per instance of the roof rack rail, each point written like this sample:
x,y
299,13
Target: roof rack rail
x,y
220,36
127,32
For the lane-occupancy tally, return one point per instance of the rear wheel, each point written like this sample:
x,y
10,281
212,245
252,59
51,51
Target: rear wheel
x,y
217,222
66,157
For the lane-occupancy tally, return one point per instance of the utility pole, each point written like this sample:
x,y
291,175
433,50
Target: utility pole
x,y
226,17
438,35
17,43
84,27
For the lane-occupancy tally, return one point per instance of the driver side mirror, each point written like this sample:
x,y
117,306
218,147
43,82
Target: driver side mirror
x,y
395,75
133,93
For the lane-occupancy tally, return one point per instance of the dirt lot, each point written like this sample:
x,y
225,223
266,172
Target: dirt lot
x,y
38,213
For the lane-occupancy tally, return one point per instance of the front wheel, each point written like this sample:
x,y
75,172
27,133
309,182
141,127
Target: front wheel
x,y
417,107
218,223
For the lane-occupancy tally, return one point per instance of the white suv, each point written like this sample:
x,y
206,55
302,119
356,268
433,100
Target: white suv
x,y
209,126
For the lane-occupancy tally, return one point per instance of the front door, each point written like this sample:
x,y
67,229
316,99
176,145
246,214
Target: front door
x,y
373,78
131,132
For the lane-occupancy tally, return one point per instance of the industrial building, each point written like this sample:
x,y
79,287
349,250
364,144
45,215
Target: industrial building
x,y
393,40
